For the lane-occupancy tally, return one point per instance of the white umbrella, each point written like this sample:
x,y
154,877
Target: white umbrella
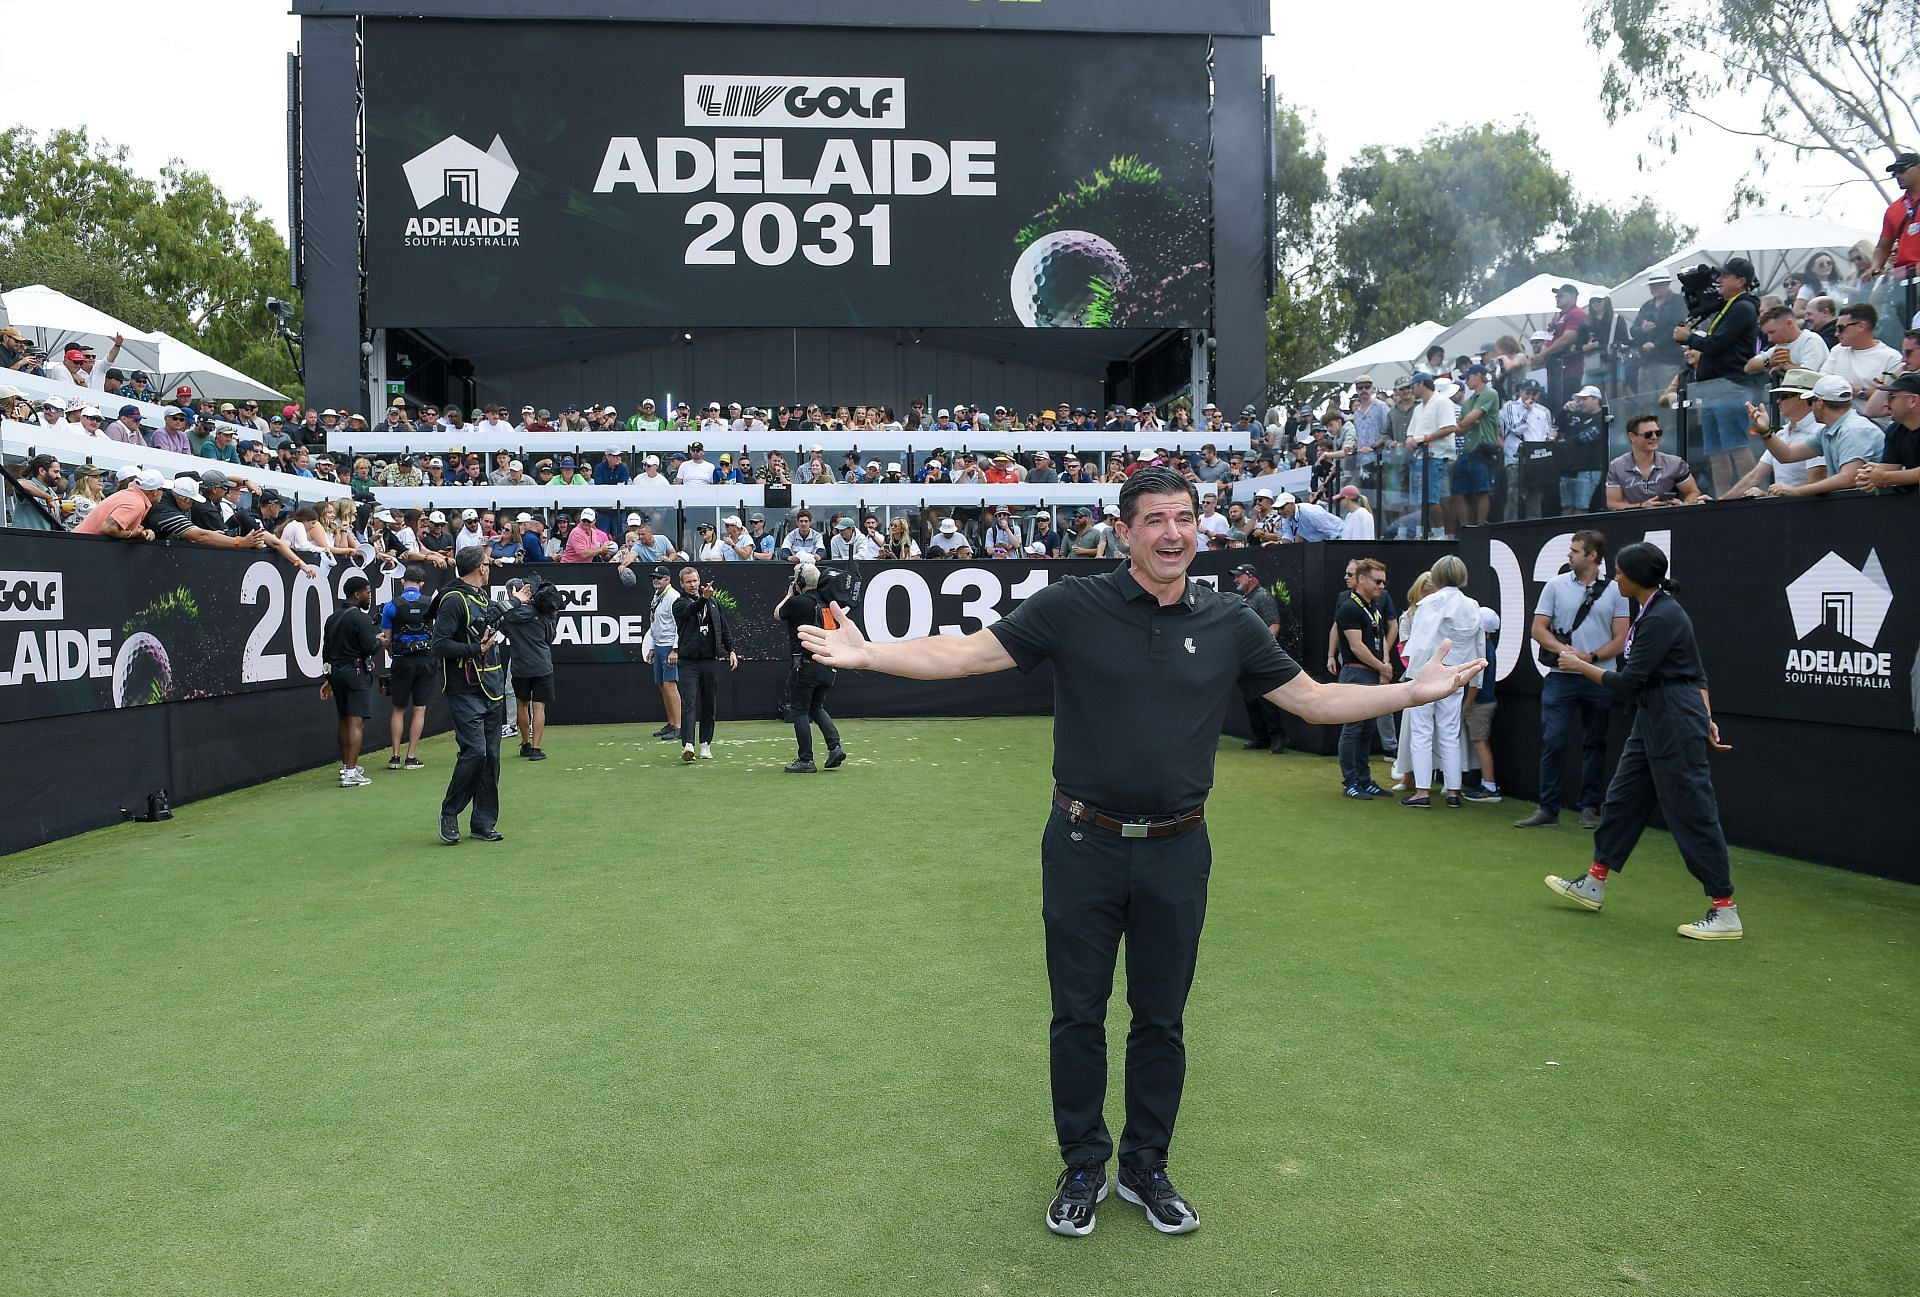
x,y
1519,311
1774,244
1387,359
55,321
180,362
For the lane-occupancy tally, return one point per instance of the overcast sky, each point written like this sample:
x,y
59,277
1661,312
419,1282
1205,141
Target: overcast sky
x,y
230,121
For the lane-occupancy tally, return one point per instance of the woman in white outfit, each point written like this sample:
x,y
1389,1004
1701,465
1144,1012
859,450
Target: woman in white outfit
x,y
1447,613
1403,751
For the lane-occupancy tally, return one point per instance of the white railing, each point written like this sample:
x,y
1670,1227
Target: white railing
x,y
28,439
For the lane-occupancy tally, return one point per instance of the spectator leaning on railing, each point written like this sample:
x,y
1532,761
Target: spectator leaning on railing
x,y
1846,440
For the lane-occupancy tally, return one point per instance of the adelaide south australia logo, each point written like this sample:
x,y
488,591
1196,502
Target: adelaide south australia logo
x,y
1838,610
456,172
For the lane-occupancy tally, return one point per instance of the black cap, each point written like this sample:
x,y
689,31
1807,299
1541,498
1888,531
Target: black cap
x,y
1739,266
271,496
1906,383
1567,288
1901,161
1245,569
661,572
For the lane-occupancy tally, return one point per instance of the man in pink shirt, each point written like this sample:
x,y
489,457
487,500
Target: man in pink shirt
x,y
586,542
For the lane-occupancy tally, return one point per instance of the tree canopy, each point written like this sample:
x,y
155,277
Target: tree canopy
x,y
1807,77
172,253
1429,232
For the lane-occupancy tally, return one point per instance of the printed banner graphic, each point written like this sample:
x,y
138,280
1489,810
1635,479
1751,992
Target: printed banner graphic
x,y
693,175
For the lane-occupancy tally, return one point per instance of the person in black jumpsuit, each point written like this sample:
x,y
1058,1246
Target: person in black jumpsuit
x,y
1125,852
1665,761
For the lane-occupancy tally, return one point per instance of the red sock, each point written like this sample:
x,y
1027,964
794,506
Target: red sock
x,y
1599,872
1722,902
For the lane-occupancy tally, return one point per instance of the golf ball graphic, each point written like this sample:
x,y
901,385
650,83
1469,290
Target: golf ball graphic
x,y
1067,280
142,672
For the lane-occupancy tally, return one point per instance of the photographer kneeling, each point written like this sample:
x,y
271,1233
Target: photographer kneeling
x,y
465,625
807,686
533,610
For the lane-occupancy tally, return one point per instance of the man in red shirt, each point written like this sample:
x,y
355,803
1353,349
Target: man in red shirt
x,y
122,515
1002,469
1565,366
1900,228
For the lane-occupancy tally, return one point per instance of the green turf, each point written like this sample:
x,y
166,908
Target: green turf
x,y
721,1030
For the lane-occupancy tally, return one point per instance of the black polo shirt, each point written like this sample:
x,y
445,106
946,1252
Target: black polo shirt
x,y
1902,451
1138,689
1355,613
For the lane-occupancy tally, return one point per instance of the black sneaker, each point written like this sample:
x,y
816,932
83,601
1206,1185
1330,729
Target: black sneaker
x,y
489,835
415,763
1080,1190
798,767
666,732
1358,793
1167,1211
1480,793
526,749
835,756
450,832
1375,789
393,763
536,754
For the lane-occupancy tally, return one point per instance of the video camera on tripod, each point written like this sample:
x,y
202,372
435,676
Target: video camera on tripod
x,y
1700,288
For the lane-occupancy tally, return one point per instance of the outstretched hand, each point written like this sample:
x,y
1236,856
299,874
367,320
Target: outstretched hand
x,y
1436,679
842,647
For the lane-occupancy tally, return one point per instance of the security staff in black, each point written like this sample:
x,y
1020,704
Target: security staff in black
x,y
809,682
406,620
1125,852
476,689
1264,721
1665,760
705,639
348,645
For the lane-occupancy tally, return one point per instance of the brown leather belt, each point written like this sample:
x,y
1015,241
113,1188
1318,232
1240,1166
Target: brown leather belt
x,y
1180,823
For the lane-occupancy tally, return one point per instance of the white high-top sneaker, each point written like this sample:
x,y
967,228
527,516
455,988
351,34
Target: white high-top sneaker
x,y
1585,890
1721,924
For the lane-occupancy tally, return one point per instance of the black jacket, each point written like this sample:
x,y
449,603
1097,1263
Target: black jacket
x,y
1727,340
530,647
703,629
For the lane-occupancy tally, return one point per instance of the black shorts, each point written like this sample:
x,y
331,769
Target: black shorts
x,y
414,680
534,689
352,694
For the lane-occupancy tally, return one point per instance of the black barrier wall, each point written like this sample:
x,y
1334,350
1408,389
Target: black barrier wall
x,y
1808,617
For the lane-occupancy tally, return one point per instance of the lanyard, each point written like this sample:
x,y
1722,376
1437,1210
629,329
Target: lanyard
x,y
1626,651
1367,608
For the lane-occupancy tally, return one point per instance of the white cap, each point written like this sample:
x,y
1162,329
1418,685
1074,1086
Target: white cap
x,y
1037,549
633,520
149,479
469,515
525,517
1540,335
815,447
1285,499
383,515
615,450
75,405
588,515
873,463
948,526
1445,387
1143,457
732,520
653,460
1591,390
1489,619
1263,492
893,466
1111,511
1132,413
436,462
944,414
1832,387
436,516
188,487
608,409
517,467
91,412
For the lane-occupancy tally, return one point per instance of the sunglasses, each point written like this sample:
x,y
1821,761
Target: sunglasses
x,y
1649,436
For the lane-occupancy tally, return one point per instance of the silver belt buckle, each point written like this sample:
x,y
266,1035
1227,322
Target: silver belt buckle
x,y
1129,829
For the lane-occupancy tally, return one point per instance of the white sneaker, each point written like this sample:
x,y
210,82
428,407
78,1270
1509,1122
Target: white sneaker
x,y
354,778
706,751
1585,890
686,753
510,729
1721,924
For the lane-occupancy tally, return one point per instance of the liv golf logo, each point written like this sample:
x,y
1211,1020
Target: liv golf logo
x,y
458,171
1836,600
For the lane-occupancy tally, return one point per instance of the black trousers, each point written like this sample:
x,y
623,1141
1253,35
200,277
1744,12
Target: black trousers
x,y
807,688
1665,762
699,708
476,772
1097,887
1264,719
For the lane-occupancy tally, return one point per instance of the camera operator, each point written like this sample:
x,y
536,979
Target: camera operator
x,y
1659,354
809,682
704,640
349,646
1720,338
533,610
465,623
